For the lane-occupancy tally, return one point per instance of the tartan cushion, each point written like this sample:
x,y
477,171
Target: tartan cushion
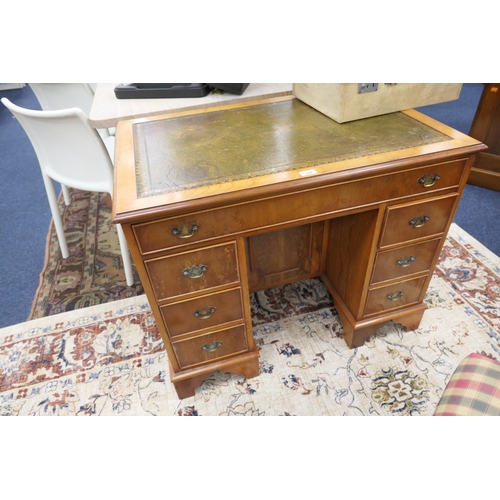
x,y
473,390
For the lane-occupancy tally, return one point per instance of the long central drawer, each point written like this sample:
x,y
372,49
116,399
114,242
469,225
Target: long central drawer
x,y
178,231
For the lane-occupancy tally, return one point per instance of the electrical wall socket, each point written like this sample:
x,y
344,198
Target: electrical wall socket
x,y
367,87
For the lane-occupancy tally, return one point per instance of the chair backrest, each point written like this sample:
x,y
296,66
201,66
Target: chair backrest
x,y
68,149
53,96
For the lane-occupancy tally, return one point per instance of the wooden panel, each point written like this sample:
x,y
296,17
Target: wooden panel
x,y
204,312
219,344
408,292
157,235
485,178
486,128
168,280
486,124
295,255
487,161
486,171
404,261
428,218
348,261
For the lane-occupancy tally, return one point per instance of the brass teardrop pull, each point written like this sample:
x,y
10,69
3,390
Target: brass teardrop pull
x,y
395,296
205,313
419,221
185,231
212,347
429,180
405,261
195,271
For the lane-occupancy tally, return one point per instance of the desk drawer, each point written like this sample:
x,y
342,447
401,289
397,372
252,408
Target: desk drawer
x,y
403,261
394,296
206,348
204,312
178,231
417,220
193,271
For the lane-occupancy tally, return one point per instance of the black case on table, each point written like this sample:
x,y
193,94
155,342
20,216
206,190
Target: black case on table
x,y
174,90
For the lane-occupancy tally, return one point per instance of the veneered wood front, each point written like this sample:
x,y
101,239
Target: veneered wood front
x,y
404,261
415,221
190,272
394,296
350,256
206,348
280,257
205,312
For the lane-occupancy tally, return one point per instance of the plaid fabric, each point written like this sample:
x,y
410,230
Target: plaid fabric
x,y
473,390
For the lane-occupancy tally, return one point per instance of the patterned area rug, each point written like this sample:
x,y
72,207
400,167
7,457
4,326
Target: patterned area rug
x,y
109,359
93,273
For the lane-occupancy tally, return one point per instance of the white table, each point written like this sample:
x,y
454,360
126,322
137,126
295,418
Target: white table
x,y
107,110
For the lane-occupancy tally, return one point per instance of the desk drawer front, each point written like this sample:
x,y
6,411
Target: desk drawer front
x,y
206,348
190,272
205,312
415,221
403,261
394,296
178,231
431,177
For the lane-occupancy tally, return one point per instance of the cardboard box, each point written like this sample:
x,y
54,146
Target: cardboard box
x,y
344,102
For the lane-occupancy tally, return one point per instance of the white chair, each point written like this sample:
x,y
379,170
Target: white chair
x,y
71,152
54,96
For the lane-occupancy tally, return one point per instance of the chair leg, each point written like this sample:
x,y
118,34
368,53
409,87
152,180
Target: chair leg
x,y
56,216
127,261
65,190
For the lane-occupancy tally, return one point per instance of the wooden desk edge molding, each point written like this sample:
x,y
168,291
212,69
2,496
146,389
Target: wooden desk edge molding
x,y
203,194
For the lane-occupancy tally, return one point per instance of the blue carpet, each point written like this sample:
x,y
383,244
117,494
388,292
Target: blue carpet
x,y
25,216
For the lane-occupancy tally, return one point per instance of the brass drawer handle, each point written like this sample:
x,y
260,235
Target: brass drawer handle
x,y
405,261
429,180
195,271
212,347
185,231
419,221
205,312
395,296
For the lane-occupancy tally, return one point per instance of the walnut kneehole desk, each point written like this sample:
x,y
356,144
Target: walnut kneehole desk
x,y
218,203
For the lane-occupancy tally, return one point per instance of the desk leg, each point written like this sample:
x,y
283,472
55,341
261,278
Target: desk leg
x,y
356,336
185,388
